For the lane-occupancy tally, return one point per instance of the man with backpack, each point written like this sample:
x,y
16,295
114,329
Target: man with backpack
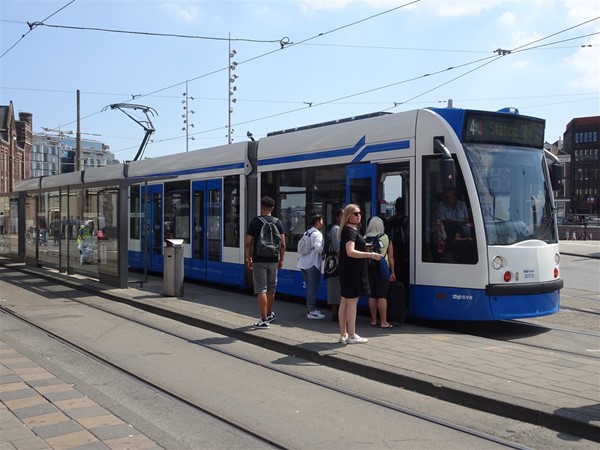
x,y
265,249
310,248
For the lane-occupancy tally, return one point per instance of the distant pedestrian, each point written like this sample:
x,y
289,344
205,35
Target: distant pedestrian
x,y
55,229
574,238
264,268
333,282
310,266
353,273
2,223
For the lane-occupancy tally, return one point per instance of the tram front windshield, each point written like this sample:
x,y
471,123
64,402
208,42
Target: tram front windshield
x,y
514,193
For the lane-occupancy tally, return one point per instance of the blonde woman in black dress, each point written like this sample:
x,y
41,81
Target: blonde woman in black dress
x,y
354,281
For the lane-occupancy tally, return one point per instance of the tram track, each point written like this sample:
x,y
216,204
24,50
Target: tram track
x,y
239,427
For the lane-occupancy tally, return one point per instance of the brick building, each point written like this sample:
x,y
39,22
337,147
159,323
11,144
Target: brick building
x,y
15,147
582,143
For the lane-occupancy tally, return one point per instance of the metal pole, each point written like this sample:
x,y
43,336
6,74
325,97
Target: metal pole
x,y
78,137
229,93
187,140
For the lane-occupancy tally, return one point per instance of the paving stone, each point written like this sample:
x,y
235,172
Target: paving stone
x,y
32,411
63,395
114,431
90,423
90,411
31,377
25,402
17,385
44,382
32,442
60,387
46,419
8,378
138,441
77,439
57,429
21,393
93,446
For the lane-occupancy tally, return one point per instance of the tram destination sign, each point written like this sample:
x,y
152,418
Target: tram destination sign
x,y
502,128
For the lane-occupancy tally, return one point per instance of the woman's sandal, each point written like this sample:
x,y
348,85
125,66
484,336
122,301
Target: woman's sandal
x,y
373,324
389,326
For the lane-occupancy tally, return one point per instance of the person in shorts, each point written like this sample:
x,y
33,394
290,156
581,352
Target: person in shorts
x,y
264,270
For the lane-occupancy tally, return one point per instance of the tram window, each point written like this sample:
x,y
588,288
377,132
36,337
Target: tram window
x,y
301,192
177,211
231,211
448,229
134,212
199,225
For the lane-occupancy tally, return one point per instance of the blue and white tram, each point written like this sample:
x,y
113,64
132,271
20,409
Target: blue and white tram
x,y
494,162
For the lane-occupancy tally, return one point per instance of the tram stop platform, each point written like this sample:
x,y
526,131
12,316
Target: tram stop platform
x,y
554,389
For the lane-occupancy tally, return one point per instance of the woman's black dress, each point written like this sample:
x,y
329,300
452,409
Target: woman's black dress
x,y
354,280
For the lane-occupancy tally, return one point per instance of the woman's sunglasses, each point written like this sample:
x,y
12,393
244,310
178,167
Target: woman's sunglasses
x,y
356,213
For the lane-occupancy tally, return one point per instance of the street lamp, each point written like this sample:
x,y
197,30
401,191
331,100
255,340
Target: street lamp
x,y
185,116
231,89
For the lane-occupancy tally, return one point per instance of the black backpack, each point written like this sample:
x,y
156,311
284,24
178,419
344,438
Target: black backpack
x,y
376,246
269,239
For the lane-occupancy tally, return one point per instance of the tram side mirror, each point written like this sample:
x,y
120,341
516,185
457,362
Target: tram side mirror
x,y
557,174
448,167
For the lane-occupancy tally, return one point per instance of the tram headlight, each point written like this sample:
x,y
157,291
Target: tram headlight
x,y
557,259
497,262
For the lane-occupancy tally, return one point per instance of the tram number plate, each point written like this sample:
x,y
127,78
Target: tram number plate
x,y
529,274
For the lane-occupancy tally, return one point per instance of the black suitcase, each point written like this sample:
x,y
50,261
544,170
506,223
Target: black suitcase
x,y
396,297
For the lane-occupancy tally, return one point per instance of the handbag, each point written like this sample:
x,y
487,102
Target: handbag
x,y
384,268
332,265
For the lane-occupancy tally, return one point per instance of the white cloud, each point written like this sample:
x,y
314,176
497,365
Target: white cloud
x,y
454,8
311,6
582,10
189,13
508,18
583,69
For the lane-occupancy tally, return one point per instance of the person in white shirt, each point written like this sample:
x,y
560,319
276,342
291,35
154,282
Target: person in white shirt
x,y
310,266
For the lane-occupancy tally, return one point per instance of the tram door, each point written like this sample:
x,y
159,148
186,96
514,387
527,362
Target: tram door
x,y
207,230
152,231
361,189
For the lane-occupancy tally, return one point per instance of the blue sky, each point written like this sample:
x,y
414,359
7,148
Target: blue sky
x,y
344,58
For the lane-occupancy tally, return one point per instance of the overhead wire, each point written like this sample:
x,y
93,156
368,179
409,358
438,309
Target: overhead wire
x,y
31,28
149,33
486,61
283,45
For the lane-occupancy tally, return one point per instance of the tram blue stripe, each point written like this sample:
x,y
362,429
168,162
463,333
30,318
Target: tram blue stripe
x,y
221,167
360,155
381,148
316,155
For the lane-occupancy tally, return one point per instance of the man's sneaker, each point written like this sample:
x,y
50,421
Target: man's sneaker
x,y
261,324
356,339
270,317
343,339
316,314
